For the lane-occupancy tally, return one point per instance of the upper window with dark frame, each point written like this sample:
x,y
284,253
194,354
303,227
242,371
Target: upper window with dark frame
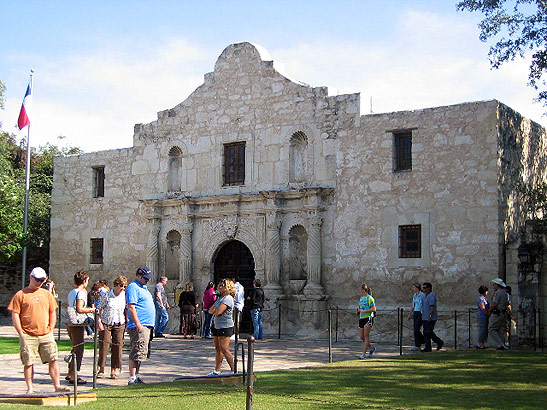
x,y
234,163
410,241
96,250
402,144
98,182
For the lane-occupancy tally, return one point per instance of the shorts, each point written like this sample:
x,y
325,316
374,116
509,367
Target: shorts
x,y
139,343
31,346
224,332
368,321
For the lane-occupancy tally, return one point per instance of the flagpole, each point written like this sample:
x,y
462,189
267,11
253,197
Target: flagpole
x,y
27,189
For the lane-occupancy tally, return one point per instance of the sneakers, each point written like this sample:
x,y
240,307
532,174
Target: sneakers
x,y
136,380
363,356
231,373
507,345
440,345
371,351
415,348
213,374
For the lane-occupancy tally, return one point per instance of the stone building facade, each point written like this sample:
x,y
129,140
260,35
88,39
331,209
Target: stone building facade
x,y
258,176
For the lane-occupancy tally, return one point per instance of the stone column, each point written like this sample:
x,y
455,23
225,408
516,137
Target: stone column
x,y
273,252
185,252
154,227
313,287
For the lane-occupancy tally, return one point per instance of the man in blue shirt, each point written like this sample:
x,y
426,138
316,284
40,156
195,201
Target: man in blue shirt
x,y
142,316
429,317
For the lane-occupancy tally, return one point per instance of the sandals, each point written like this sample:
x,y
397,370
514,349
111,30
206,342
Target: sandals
x,y
100,375
114,376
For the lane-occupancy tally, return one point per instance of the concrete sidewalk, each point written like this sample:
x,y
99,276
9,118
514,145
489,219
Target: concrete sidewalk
x,y
174,356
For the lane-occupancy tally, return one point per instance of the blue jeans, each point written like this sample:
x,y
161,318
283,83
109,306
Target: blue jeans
x,y
161,319
256,315
207,324
418,336
429,333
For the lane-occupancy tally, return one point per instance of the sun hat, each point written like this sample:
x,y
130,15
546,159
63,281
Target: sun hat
x,y
500,282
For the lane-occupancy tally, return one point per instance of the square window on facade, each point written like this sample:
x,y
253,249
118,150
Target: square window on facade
x,y
402,147
97,250
98,182
234,163
410,241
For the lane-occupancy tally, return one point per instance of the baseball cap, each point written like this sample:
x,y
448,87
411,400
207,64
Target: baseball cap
x,y
500,282
38,273
145,272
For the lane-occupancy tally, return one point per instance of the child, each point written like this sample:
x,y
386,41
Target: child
x,y
366,310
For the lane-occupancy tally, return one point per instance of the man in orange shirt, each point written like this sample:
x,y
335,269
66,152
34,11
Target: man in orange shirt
x,y
33,316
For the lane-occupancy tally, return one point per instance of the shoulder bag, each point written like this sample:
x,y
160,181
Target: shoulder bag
x,y
79,319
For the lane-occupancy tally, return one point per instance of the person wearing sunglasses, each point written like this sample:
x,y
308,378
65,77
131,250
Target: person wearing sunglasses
x,y
33,312
112,327
223,323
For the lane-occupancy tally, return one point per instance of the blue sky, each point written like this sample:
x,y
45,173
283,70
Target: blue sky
x,y
103,66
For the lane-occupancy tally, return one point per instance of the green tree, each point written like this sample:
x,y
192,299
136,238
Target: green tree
x,y
12,194
517,27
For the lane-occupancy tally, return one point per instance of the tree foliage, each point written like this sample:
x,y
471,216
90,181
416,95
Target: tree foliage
x,y
12,193
518,26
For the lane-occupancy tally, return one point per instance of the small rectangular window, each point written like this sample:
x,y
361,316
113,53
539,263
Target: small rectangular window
x,y
234,163
98,182
97,250
402,146
410,241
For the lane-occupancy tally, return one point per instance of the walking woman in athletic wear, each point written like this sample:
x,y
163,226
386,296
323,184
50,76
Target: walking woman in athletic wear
x,y
367,311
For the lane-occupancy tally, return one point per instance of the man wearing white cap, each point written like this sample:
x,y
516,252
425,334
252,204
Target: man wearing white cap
x,y
33,316
497,309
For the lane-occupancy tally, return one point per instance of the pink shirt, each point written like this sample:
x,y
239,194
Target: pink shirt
x,y
208,298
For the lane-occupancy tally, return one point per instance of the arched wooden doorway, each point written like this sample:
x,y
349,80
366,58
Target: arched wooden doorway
x,y
235,260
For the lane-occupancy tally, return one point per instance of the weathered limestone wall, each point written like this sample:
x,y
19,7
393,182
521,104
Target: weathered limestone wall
x,y
76,217
451,190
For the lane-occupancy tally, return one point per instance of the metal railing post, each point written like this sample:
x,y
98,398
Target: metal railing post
x,y
398,327
75,368
279,321
59,321
336,325
330,335
95,339
455,330
535,331
400,331
250,373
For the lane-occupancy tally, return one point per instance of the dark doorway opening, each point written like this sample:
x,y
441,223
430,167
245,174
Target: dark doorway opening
x,y
235,260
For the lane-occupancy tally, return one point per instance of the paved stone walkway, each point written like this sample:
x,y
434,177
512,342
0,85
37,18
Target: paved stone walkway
x,y
174,356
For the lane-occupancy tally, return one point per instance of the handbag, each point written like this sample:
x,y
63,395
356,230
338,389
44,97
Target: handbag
x,y
76,318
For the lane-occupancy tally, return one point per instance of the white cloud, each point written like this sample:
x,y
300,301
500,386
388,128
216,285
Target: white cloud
x,y
429,60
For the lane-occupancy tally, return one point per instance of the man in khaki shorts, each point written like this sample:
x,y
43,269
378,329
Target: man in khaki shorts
x,y
33,312
142,317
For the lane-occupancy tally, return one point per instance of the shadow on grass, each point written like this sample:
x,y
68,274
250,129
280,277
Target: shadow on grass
x,y
450,380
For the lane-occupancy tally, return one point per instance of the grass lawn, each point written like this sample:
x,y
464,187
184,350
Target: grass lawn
x,y
445,380
10,345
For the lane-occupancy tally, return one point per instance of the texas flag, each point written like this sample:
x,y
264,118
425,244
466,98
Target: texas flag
x,y
24,115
